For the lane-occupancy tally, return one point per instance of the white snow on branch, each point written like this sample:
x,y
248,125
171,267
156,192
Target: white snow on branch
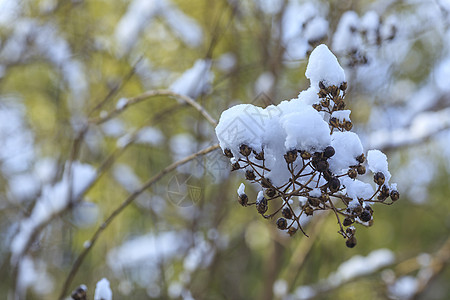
x,y
195,81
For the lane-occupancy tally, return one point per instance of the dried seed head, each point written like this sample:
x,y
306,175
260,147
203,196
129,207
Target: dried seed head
x,y
357,210
361,169
351,242
334,122
261,206
322,93
317,107
290,156
281,223
243,199
313,201
324,197
235,166
245,150
265,183
352,173
378,178
305,154
361,159
334,185
329,152
348,221
287,213
260,155
250,175
292,230
309,210
347,125
334,90
340,105
322,86
227,153
365,216
343,86
395,195
325,102
271,192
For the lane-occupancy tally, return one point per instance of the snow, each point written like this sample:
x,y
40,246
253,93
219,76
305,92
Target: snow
x,y
346,38
377,162
324,66
195,81
241,189
404,287
315,193
102,290
341,115
317,29
347,147
356,189
150,135
121,103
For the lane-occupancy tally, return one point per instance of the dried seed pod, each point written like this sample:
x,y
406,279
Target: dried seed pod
x,y
352,173
260,155
334,185
378,178
271,192
309,210
343,86
317,107
261,206
334,122
361,159
357,210
348,221
287,213
227,153
79,293
340,105
305,154
322,86
324,198
243,199
265,183
245,150
347,125
395,195
235,166
361,169
351,242
365,216
250,175
334,90
325,102
313,201
290,156
322,93
329,152
292,230
281,223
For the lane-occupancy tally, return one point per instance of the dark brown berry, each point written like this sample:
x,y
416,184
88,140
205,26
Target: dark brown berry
x,y
265,183
361,169
281,223
361,159
290,156
313,201
334,185
352,173
292,230
271,192
227,153
235,166
348,221
357,210
243,199
287,213
395,195
378,178
365,216
327,175
250,175
261,206
321,165
245,150
79,293
329,152
351,242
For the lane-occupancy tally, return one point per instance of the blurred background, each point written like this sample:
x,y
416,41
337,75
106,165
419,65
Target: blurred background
x,y
75,143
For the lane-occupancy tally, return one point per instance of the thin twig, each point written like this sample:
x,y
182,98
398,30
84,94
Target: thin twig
x,y
150,94
89,244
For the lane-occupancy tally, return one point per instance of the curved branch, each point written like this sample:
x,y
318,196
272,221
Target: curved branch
x,y
120,208
150,94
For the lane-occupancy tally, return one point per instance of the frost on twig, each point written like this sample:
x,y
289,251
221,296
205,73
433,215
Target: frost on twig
x,y
304,156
